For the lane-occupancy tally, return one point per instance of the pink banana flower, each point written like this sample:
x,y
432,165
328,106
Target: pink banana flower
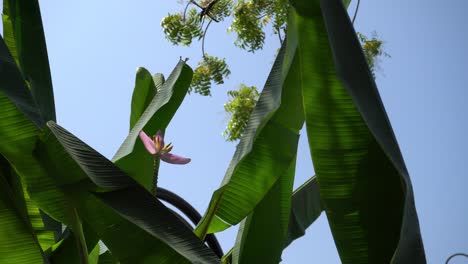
x,y
156,147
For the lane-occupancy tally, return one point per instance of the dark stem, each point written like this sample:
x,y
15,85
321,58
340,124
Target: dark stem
x,y
456,255
203,40
355,12
155,174
192,214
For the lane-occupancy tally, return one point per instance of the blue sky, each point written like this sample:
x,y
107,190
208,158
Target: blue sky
x,y
95,48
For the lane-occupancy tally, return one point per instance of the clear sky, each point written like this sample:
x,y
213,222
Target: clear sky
x,y
95,48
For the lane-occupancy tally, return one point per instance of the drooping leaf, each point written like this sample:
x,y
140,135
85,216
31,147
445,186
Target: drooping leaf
x,y
25,38
264,153
132,156
124,208
364,184
143,93
305,209
18,242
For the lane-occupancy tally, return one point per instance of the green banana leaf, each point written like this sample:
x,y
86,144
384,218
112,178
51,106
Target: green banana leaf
x,y
45,236
145,89
18,241
264,153
305,209
19,130
364,184
262,234
24,36
13,87
260,239
132,157
116,206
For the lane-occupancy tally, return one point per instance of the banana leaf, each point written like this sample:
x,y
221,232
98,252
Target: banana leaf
x,y
115,206
18,241
260,239
145,89
132,157
24,35
20,123
364,184
264,153
305,209
13,87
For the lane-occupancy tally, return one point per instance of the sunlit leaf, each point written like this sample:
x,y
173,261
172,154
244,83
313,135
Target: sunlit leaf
x,y
143,93
364,184
18,242
265,152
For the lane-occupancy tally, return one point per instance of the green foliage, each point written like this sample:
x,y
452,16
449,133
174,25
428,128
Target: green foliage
x,y
240,105
220,10
180,29
319,77
211,70
250,19
249,26
373,50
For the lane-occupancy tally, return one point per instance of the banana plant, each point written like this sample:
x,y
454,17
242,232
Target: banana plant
x,y
61,201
